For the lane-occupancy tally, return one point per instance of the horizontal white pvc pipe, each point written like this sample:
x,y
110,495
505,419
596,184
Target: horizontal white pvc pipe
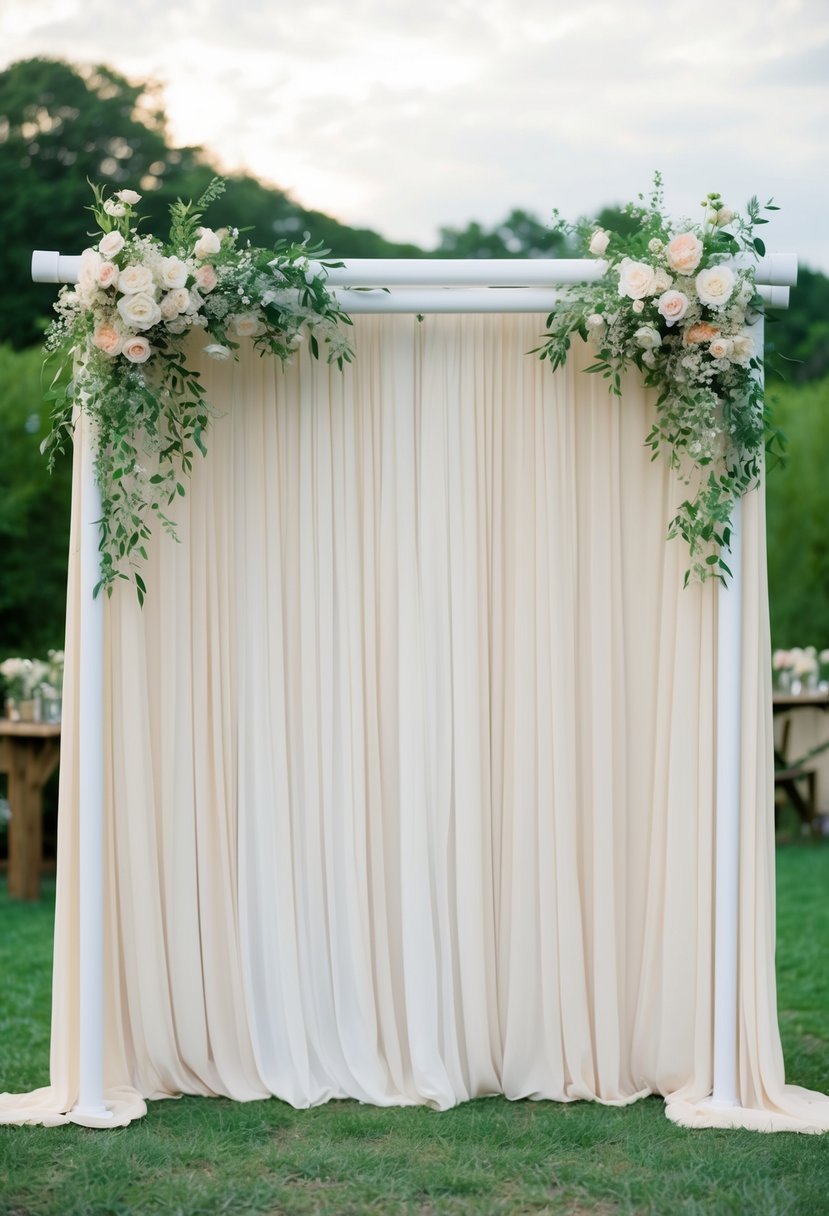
x,y
777,269
48,267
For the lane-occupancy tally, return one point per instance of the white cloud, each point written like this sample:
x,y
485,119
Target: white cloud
x,y
405,117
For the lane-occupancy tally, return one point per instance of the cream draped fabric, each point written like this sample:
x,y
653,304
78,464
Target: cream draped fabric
x,y
410,755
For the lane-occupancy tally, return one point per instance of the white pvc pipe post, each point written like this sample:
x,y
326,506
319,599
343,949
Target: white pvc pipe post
x,y
727,833
91,1109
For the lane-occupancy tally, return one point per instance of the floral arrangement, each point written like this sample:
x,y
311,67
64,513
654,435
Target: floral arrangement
x,y
802,667
38,680
124,328
673,302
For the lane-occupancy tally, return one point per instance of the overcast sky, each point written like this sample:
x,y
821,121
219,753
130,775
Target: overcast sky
x,y
408,116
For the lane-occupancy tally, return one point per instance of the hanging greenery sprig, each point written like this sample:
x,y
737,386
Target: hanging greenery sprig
x,y
674,302
123,329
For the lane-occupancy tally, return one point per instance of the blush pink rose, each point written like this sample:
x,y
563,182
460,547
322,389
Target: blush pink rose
x,y
684,253
673,306
107,338
206,278
137,349
107,275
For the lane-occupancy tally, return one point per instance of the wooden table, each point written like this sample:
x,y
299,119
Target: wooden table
x,y
788,773
29,754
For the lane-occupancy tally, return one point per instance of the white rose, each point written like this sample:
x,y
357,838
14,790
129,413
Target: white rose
x,y
216,351
137,349
128,196
647,337
724,216
742,348
649,358
111,244
107,274
89,267
207,243
720,348
173,272
206,278
136,278
117,210
181,299
247,325
139,311
595,320
636,279
684,252
169,307
599,242
638,306
715,285
661,281
673,306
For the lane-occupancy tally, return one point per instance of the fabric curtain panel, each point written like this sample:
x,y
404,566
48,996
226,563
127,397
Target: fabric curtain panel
x,y
410,754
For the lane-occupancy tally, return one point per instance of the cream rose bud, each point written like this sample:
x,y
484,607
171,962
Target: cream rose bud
x,y
673,306
715,285
647,337
599,242
595,320
684,252
724,216
136,278
137,349
720,348
208,243
206,278
139,311
116,210
216,351
89,267
247,325
128,196
636,279
107,274
107,338
638,305
173,273
111,244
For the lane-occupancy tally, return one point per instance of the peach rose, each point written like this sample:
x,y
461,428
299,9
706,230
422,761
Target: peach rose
x,y
137,349
701,332
107,338
684,253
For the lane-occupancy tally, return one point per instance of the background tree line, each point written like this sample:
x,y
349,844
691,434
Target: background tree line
x,y
61,125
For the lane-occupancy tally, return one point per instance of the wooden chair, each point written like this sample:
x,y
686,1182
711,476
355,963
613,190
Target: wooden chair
x,y
789,779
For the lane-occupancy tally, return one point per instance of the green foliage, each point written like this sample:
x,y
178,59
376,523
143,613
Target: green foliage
x,y
34,514
520,235
797,511
62,125
199,1156
797,338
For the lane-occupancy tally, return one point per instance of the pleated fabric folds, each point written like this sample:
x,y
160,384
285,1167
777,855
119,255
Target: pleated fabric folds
x,y
410,754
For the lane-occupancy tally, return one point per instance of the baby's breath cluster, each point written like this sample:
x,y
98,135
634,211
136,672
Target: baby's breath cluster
x,y
678,302
123,329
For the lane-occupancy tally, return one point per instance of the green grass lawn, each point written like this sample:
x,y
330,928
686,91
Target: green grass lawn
x,y
198,1156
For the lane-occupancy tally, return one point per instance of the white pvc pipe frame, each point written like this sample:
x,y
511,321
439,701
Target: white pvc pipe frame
x,y
419,286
